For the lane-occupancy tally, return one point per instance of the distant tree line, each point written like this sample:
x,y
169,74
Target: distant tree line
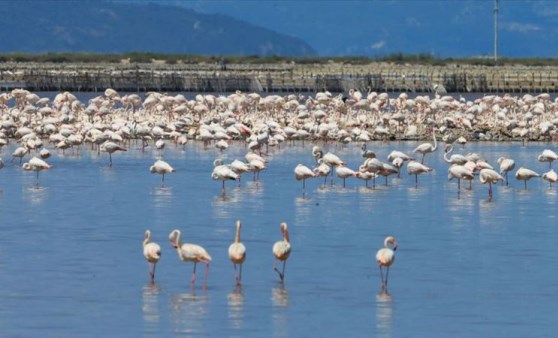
x,y
139,57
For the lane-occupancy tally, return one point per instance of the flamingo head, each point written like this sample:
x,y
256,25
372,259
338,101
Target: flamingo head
x,y
390,240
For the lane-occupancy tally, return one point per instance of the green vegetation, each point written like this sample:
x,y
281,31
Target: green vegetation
x,y
138,57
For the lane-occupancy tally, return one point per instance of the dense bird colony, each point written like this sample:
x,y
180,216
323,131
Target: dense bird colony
x,y
108,122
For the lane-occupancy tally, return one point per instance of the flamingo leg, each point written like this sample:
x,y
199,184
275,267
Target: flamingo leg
x,y
382,277
283,273
525,184
193,279
387,275
240,274
37,181
151,271
277,270
416,180
110,160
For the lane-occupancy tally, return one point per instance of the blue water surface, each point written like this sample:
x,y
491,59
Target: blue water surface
x,y
71,261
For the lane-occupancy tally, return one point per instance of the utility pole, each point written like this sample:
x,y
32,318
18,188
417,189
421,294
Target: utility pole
x,y
495,31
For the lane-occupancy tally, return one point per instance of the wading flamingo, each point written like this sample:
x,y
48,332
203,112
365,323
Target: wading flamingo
x,y
547,156
491,177
282,250
152,254
506,165
161,167
385,257
237,253
111,147
550,176
426,148
36,164
302,172
415,168
524,174
190,253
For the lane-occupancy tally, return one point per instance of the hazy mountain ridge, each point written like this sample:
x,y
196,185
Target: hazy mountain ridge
x,y
108,27
447,28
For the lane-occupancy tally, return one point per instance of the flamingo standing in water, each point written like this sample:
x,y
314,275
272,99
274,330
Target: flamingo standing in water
x,y
506,165
111,147
282,250
385,257
415,168
222,172
190,253
524,174
302,172
343,172
491,177
460,172
152,254
237,253
426,148
161,167
550,176
36,164
548,156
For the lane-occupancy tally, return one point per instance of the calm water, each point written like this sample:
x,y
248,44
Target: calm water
x,y
71,257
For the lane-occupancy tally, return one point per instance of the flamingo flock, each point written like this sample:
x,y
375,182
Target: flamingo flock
x,y
113,122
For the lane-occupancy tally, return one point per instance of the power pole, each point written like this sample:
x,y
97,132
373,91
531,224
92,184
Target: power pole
x,y
495,31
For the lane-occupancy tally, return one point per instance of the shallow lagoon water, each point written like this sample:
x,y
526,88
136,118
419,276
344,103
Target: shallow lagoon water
x,y
71,257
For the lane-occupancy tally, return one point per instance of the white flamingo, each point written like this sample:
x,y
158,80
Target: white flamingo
x,y
506,165
237,253
161,167
36,164
188,252
489,176
281,251
415,168
426,148
550,176
152,254
302,172
524,174
385,258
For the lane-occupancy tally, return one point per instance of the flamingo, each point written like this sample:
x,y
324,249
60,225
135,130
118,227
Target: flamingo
x,y
367,153
44,153
20,152
489,176
322,169
426,148
343,172
36,164
111,147
547,156
415,168
506,165
161,167
459,172
385,258
240,168
455,158
237,253
152,253
282,250
550,176
222,173
190,253
524,174
302,172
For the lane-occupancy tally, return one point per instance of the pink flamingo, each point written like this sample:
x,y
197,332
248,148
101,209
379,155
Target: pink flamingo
x,y
152,253
190,253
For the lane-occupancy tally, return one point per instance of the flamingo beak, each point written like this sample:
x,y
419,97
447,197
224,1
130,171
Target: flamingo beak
x,y
395,246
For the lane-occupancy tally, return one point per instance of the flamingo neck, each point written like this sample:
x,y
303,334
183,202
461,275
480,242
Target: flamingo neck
x,y
435,142
147,238
237,237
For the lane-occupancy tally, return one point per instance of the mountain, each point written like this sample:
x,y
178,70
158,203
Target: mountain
x,y
117,27
443,28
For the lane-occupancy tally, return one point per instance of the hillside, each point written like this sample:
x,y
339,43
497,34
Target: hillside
x,y
111,27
